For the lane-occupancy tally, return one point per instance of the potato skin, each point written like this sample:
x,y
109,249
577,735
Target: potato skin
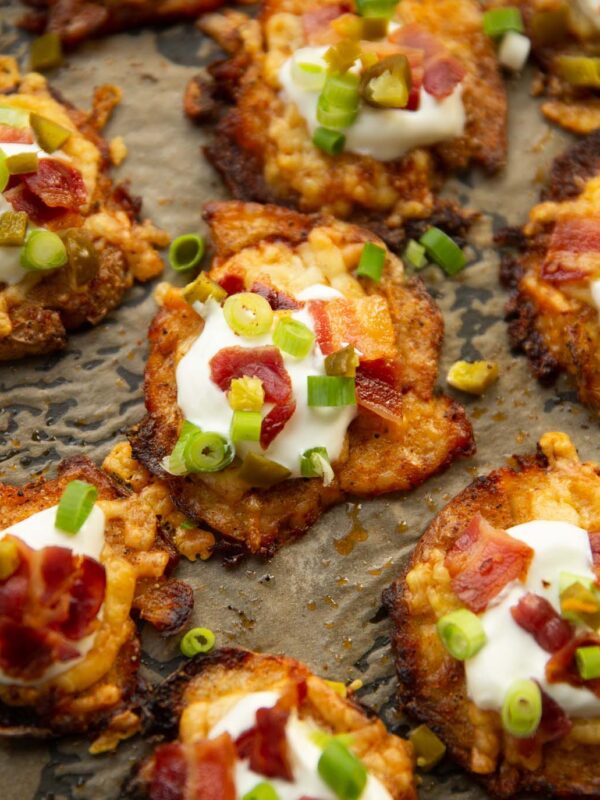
x,y
432,685
208,680
381,457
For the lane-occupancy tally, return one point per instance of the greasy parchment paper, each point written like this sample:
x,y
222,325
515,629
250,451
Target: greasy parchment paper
x,y
318,599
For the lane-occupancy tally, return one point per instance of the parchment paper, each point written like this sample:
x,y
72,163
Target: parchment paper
x,y
318,599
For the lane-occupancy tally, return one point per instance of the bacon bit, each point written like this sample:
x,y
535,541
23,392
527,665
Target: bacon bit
x,y
274,422
212,769
232,283
50,601
265,363
562,667
169,774
539,618
57,184
364,323
418,38
265,745
574,252
554,725
376,389
21,199
8,134
442,72
276,299
483,561
316,22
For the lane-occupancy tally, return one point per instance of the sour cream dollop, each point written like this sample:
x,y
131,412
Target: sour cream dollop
x,y
512,654
304,754
204,404
38,531
382,133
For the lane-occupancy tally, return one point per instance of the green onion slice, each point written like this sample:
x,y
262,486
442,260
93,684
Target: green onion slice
x,y
14,117
341,91
415,254
310,77
262,791
522,709
376,8
248,314
175,463
462,633
197,640
314,463
207,452
9,559
331,391
372,262
13,227
443,251
343,362
261,472
333,116
588,662
75,506
293,337
46,52
186,252
331,142
246,426
22,163
342,771
578,70
43,250
49,134
4,173
498,21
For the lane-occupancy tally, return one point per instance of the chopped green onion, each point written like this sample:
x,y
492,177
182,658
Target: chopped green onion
x,y
22,163
261,472
175,463
207,452
522,709
43,250
580,602
75,506
372,262
49,134
202,289
578,70
333,116
248,314
197,640
245,426
310,77
376,8
588,662
9,559
330,391
429,748
46,52
186,252
246,394
293,337
314,463
342,771
14,117
566,579
341,91
415,254
498,21
332,142
443,251
186,525
4,173
343,362
462,633
262,791
13,227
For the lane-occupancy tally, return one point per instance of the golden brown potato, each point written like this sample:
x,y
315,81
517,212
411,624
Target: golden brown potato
x,y
100,690
37,312
553,485
193,699
552,315
290,251
262,147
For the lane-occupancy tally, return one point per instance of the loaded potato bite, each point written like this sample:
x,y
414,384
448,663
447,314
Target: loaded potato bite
x,y
354,108
78,554
262,726
496,626
299,370
71,243
553,311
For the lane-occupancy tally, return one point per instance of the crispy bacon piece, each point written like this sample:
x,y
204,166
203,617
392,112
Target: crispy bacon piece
x,y
8,134
265,745
232,283
277,300
211,766
442,72
274,422
317,21
364,322
49,602
22,199
57,184
539,618
376,389
574,252
483,561
562,667
265,363
169,774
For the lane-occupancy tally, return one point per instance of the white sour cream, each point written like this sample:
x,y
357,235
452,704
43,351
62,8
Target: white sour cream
x,y
382,133
512,654
39,531
304,754
204,404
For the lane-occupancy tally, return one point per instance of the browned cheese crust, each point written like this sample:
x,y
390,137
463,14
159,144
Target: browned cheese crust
x,y
380,456
553,485
262,147
557,325
196,696
37,313
103,688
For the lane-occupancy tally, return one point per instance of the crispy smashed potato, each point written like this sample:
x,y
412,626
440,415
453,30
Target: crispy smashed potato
x,y
553,485
291,251
192,700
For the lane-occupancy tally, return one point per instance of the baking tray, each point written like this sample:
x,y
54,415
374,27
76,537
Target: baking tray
x,y
318,599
